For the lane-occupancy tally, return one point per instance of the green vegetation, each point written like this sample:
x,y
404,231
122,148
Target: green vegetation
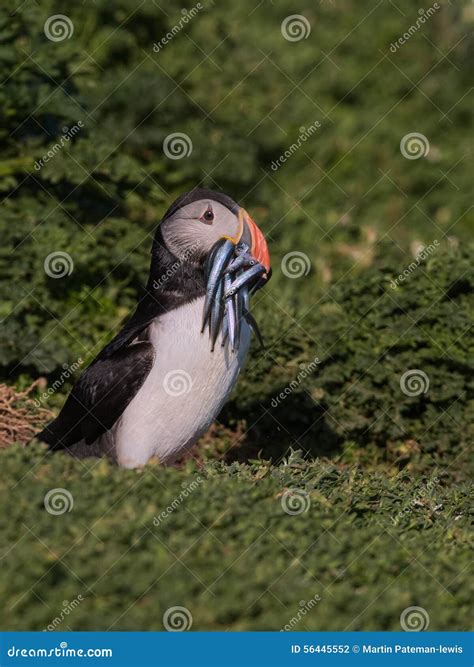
x,y
327,407
368,545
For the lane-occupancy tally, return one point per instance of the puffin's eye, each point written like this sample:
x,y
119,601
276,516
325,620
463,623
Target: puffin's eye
x,y
208,215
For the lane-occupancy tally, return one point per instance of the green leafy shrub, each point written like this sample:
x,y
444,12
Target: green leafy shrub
x,y
366,335
368,545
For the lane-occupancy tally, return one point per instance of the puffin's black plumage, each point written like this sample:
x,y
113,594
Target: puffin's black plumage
x,y
111,381
100,396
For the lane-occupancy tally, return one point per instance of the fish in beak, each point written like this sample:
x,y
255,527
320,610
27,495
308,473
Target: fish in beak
x,y
236,267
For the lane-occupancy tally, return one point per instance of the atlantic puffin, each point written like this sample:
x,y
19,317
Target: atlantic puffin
x,y
158,385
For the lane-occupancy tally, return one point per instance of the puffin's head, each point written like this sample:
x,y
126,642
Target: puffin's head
x,y
200,218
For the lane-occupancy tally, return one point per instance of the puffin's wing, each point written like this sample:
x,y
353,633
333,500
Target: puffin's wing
x,y
100,396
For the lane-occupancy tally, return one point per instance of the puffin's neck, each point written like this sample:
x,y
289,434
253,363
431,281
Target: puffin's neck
x,y
171,278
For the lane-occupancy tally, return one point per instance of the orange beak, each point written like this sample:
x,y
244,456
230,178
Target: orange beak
x,y
258,245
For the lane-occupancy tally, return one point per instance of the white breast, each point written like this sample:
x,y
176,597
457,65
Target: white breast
x,y
183,392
